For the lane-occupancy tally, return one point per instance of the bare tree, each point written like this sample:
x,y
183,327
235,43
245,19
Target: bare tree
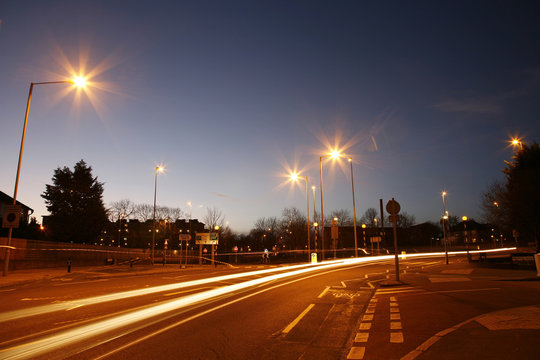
x,y
176,213
369,217
405,220
343,217
144,212
121,209
214,217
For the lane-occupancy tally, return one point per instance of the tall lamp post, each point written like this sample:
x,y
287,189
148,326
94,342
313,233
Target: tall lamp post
x,y
158,170
464,218
315,227
77,81
444,219
354,210
335,155
295,177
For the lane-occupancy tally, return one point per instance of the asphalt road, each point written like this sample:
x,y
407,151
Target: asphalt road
x,y
303,312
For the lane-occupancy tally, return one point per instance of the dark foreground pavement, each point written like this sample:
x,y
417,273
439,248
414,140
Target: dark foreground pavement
x,y
455,311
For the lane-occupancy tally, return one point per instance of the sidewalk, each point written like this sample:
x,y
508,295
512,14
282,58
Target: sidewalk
x,y
510,333
504,334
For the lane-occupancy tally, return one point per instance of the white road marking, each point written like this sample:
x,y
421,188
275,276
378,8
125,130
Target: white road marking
x,y
367,318
395,325
297,320
395,317
396,337
356,353
365,326
448,279
323,292
361,337
81,282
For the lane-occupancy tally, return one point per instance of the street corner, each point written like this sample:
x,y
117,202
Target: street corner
x,y
501,334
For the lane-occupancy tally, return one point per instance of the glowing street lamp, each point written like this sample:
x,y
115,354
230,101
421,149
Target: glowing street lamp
x,y
334,154
158,170
516,143
295,177
77,81
444,219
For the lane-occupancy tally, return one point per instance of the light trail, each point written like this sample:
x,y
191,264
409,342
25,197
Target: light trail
x,y
81,333
85,332
43,309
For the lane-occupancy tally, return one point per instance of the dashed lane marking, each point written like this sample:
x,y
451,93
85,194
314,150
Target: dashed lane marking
x,y
323,292
367,318
395,325
396,337
297,320
365,326
395,317
361,337
356,353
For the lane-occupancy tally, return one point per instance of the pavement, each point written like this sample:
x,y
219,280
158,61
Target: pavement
x,y
510,333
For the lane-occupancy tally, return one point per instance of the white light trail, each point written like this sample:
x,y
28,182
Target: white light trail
x,y
84,332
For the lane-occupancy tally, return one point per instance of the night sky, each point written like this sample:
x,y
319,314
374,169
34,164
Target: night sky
x,y
230,95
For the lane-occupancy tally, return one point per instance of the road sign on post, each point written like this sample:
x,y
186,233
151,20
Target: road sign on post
x,y
12,216
393,208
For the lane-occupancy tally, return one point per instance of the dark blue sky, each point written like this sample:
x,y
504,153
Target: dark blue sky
x,y
229,94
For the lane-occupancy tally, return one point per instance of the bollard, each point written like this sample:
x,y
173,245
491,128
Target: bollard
x,y
69,265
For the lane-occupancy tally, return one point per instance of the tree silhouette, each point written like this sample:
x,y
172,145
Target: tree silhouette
x,y
76,205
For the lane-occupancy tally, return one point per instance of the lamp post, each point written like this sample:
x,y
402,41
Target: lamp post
x,y
464,218
444,218
295,177
354,210
158,170
335,155
315,228
77,81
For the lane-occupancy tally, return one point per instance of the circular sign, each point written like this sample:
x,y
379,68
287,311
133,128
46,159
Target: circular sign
x,y
204,250
393,207
235,248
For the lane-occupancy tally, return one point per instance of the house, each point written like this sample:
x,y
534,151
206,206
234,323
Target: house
x,y
6,200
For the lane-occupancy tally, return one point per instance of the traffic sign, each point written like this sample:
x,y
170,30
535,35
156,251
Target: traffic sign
x,y
235,249
375,239
393,218
12,216
334,233
206,239
185,237
393,207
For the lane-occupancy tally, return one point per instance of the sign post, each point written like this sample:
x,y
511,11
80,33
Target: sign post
x,y
334,234
206,239
393,209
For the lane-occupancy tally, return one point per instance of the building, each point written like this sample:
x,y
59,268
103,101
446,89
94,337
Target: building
x,y
6,200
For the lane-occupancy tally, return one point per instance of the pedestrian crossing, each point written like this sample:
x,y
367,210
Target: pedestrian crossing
x,y
374,308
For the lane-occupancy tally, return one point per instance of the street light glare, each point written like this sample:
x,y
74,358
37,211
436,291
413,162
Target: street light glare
x,y
294,176
160,168
464,218
79,81
335,154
